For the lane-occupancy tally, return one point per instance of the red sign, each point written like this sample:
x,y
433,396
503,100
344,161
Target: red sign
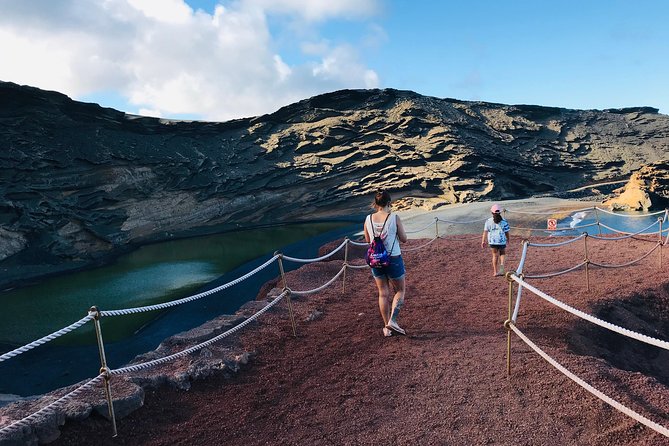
x,y
551,224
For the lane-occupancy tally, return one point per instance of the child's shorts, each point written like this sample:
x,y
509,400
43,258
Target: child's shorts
x,y
393,271
500,248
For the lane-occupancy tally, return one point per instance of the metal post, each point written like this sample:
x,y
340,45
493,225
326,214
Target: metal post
x,y
343,282
587,262
506,325
599,227
659,241
103,368
436,227
285,287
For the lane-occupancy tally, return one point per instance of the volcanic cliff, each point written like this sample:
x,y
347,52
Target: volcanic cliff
x,y
80,182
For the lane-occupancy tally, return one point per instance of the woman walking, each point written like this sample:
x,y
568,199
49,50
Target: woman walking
x,y
496,232
389,279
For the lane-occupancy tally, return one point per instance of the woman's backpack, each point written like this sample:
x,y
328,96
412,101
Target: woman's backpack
x,y
377,256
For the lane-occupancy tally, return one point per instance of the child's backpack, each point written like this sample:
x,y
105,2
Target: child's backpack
x,y
377,256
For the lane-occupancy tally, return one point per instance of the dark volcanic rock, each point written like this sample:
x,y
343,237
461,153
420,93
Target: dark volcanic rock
x,y
80,182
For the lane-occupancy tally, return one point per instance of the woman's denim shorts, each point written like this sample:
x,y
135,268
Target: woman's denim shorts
x,y
393,271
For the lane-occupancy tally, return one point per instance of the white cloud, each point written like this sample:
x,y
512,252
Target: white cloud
x,y
168,60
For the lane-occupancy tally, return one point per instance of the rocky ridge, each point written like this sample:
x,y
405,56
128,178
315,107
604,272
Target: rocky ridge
x,y
80,182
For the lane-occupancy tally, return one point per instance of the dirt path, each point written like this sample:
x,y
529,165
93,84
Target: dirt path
x,y
340,382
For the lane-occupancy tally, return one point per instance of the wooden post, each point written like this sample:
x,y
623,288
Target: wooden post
x,y
587,262
103,368
285,288
343,282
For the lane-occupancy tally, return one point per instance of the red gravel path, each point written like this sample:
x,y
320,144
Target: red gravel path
x,y
341,383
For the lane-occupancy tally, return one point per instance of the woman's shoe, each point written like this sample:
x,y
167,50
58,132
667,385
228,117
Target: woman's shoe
x,y
394,327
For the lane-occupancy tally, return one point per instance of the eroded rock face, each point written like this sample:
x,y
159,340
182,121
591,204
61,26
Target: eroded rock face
x,y
79,182
648,188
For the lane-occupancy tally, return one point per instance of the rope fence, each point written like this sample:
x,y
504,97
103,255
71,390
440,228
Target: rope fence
x,y
106,372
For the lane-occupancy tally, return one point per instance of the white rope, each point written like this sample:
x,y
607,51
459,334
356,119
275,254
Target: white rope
x,y
146,365
629,234
550,212
650,214
416,248
318,259
458,239
429,225
559,273
609,326
522,228
46,338
357,266
322,287
553,245
519,271
462,222
358,243
603,265
25,422
190,298
610,401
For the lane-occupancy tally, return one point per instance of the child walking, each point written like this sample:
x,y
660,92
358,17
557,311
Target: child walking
x,y
496,232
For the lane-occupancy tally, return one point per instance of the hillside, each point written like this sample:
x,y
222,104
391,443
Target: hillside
x,y
79,182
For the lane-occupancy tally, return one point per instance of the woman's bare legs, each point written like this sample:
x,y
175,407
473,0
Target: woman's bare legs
x,y
384,298
399,285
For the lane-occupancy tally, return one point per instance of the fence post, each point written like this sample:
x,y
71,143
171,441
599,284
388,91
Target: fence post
x,y
103,367
285,288
587,262
436,227
659,241
507,326
343,282
599,227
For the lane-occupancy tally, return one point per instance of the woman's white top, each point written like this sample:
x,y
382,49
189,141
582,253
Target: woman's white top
x,y
388,235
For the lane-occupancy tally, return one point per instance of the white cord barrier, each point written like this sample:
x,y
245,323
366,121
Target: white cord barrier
x,y
650,214
550,212
429,225
190,298
416,248
609,326
629,234
603,265
357,266
559,273
318,259
460,222
46,338
610,401
553,245
322,287
519,272
188,351
25,422
358,243
522,228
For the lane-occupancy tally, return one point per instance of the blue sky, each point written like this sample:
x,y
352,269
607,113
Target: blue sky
x,y
218,60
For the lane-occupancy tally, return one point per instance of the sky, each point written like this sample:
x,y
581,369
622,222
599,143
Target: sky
x,y
224,59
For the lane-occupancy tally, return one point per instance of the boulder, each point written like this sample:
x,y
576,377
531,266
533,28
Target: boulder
x,y
647,189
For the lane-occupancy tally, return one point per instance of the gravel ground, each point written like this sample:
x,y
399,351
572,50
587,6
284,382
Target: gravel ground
x,y
340,382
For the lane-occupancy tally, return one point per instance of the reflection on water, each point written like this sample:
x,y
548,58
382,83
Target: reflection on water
x,y
151,274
